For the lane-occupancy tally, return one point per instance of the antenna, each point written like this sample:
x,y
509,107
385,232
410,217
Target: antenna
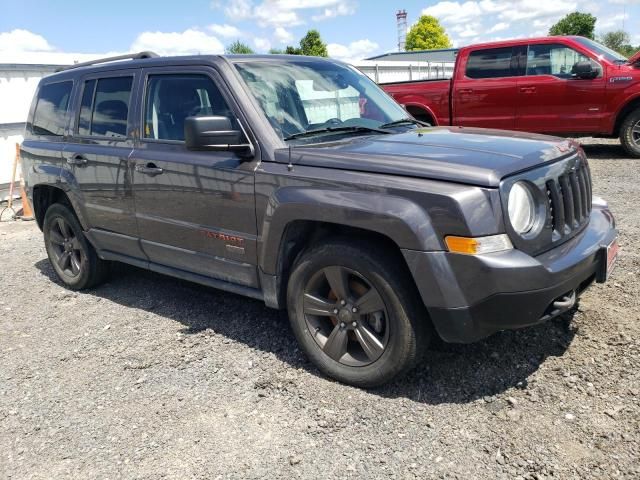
x,y
401,18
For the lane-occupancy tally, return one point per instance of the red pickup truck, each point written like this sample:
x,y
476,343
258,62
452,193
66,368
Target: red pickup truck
x,y
568,86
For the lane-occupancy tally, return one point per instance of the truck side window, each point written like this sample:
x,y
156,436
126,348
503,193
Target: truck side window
x,y
552,59
170,99
49,117
104,109
491,63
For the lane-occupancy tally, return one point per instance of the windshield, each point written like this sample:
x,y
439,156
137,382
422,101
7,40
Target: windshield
x,y
300,96
601,50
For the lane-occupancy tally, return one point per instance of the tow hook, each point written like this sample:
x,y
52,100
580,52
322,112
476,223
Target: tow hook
x,y
566,302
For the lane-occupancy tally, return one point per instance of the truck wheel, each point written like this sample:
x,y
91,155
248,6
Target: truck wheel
x,y
356,315
630,134
71,255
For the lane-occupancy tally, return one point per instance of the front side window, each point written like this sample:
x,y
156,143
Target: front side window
x,y
104,109
301,97
170,99
553,59
49,117
491,63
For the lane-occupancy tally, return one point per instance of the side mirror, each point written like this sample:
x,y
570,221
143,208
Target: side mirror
x,y
214,133
584,70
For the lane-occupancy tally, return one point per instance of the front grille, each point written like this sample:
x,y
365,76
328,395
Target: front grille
x,y
569,200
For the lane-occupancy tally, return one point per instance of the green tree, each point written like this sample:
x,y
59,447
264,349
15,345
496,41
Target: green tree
x,y
238,47
576,23
312,45
292,50
276,51
618,40
427,34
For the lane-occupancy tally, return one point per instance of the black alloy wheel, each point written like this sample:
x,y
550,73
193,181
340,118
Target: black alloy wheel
x,y
346,315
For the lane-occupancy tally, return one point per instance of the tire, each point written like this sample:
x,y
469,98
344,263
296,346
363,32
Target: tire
x,y
630,134
71,255
386,336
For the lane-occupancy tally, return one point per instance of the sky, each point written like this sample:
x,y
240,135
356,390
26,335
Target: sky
x,y
353,29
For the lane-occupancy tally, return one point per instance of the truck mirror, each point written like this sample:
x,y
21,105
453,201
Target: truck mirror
x,y
584,70
214,133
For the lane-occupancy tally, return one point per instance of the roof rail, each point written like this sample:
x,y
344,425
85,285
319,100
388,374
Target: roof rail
x,y
128,56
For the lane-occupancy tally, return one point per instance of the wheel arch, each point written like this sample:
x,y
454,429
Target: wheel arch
x,y
43,197
422,113
296,219
629,107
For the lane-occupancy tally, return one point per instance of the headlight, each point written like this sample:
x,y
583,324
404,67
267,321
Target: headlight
x,y
522,208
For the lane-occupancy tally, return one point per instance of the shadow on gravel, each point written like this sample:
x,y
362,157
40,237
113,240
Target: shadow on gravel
x,y
605,151
449,374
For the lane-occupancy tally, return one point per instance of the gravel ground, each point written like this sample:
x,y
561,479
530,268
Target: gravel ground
x,y
151,377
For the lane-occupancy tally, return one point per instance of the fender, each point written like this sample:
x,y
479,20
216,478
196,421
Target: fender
x,y
400,219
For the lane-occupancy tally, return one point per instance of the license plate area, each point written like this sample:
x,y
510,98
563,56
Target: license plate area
x,y
609,259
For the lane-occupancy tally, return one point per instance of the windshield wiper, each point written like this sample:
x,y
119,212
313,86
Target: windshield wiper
x,y
403,121
318,131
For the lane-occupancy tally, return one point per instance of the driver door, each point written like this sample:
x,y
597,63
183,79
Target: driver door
x,y
551,99
195,209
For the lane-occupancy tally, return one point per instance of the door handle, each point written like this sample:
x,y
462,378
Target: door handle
x,y
528,89
149,169
465,91
77,159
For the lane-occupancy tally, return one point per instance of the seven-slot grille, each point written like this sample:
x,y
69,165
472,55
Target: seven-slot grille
x,y
570,199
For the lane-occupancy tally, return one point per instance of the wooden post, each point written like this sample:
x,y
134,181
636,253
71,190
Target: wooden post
x,y
27,213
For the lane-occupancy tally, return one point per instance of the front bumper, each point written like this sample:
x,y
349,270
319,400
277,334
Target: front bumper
x,y
471,297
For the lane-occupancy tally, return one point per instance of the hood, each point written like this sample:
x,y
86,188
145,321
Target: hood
x,y
456,154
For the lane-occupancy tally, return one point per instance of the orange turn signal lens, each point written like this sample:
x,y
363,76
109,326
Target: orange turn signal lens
x,y
478,245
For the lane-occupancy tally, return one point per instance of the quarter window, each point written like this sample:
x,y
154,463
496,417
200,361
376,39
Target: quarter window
x,y
49,117
491,63
553,59
104,109
170,99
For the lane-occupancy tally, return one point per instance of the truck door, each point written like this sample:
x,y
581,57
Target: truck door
x,y
485,89
195,209
551,99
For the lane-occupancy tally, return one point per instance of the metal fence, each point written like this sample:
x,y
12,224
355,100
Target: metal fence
x,y
389,72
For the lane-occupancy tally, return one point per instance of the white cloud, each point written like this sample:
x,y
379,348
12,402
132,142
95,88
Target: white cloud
x,y
498,27
226,31
613,22
189,42
342,9
262,44
282,35
354,51
283,13
19,40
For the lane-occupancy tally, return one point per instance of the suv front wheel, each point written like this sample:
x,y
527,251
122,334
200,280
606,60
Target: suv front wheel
x,y
73,258
355,313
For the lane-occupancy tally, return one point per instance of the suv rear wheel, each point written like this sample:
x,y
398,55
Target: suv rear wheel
x,y
355,314
71,255
630,133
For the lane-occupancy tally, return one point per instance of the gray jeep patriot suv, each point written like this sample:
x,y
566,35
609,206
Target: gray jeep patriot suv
x,y
298,182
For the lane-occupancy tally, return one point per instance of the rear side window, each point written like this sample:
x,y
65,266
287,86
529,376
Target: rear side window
x,y
170,99
492,63
50,117
104,109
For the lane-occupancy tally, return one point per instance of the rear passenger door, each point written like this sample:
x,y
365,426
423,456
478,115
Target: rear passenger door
x,y
97,155
195,209
485,94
